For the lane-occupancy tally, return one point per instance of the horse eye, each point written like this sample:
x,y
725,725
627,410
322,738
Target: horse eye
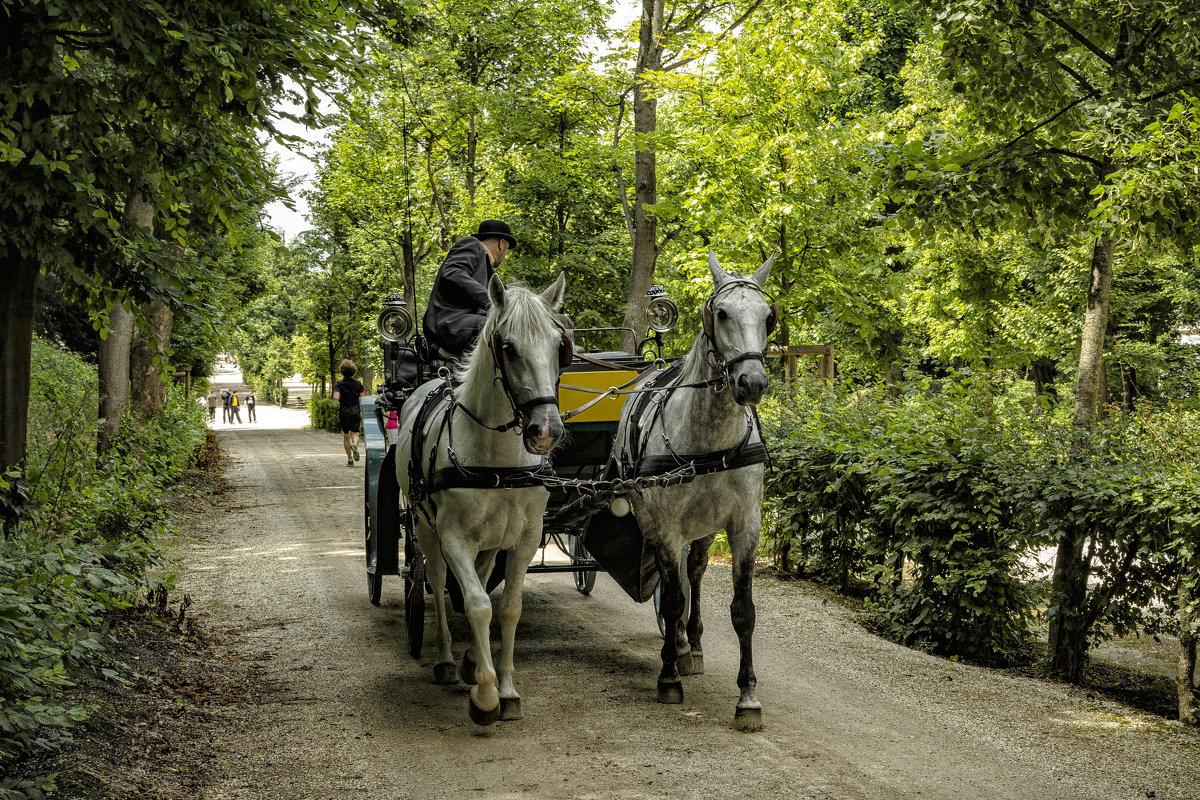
x,y
721,314
510,350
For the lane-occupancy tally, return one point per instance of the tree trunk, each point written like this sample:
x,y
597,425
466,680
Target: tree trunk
x,y
645,224
16,341
148,390
113,369
1068,614
19,263
1188,690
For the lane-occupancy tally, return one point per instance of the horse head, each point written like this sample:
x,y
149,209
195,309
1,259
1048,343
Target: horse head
x,y
529,349
738,318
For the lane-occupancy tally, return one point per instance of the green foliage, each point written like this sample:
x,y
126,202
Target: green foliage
x,y
323,413
80,548
943,500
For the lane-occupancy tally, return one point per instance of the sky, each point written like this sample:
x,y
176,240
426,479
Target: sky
x,y
300,161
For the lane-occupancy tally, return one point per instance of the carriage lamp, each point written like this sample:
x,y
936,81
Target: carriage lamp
x,y
661,310
395,323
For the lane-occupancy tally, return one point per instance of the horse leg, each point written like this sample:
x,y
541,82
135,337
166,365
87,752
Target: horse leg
x,y
484,702
697,563
484,563
445,673
670,687
510,613
743,543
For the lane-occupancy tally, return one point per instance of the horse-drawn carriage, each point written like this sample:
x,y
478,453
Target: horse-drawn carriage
x,y
589,393
608,467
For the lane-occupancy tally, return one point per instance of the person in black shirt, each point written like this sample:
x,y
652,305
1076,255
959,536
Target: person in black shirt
x,y
346,392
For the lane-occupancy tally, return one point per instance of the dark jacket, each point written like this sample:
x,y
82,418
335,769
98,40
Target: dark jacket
x,y
459,303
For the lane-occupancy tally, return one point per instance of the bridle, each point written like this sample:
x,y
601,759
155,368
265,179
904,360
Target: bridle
x,y
522,408
724,365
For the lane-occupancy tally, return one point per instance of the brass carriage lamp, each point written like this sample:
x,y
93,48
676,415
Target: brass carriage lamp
x,y
662,311
395,323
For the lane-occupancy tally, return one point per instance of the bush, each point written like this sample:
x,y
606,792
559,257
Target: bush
x,y
939,499
323,412
79,539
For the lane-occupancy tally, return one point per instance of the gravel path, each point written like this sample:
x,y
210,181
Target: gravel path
x,y
347,713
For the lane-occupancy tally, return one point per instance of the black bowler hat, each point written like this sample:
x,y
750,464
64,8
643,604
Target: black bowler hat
x,y
496,229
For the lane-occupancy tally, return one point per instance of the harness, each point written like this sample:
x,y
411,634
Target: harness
x,y
424,482
633,460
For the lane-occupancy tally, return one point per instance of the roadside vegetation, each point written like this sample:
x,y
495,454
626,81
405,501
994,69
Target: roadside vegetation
x,y
82,534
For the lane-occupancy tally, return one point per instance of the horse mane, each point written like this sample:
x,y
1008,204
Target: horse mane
x,y
524,317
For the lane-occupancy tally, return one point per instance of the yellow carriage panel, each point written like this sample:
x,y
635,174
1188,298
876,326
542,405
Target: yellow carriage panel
x,y
608,409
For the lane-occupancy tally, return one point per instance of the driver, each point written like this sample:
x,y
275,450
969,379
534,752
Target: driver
x,y
459,303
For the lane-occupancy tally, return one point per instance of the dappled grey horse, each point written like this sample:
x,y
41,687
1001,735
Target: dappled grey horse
x,y
705,415
470,459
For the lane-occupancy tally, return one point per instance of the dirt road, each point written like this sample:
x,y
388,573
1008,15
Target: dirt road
x,y
347,713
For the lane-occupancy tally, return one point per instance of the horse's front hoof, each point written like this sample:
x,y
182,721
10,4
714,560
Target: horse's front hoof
x,y
684,663
670,692
510,708
697,662
481,717
747,719
468,669
445,674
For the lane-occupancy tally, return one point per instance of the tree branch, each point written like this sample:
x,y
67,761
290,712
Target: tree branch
x,y
1079,37
1079,79
1058,151
733,26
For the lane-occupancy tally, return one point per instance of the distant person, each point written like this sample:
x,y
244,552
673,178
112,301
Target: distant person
x,y
235,407
225,406
458,303
251,402
214,400
346,392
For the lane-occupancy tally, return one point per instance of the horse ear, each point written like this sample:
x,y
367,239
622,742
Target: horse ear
x,y
553,296
719,275
496,291
763,272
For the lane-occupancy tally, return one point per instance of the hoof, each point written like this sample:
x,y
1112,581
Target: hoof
x,y
697,662
468,669
481,717
670,692
684,663
747,719
510,708
445,674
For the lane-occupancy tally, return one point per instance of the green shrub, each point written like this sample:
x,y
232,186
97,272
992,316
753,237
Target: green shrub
x,y
940,499
79,538
323,413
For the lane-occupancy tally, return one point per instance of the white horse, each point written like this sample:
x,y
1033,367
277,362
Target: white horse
x,y
706,418
472,477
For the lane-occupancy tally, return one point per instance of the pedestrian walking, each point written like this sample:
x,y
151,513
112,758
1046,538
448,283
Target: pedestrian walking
x,y
235,407
251,402
213,400
346,392
225,406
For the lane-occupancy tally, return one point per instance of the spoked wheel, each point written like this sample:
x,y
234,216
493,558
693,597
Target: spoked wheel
x,y
687,595
374,579
585,579
414,606
414,589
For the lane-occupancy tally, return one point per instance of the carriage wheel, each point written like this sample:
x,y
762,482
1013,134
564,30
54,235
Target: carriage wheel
x,y
374,579
414,606
585,579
